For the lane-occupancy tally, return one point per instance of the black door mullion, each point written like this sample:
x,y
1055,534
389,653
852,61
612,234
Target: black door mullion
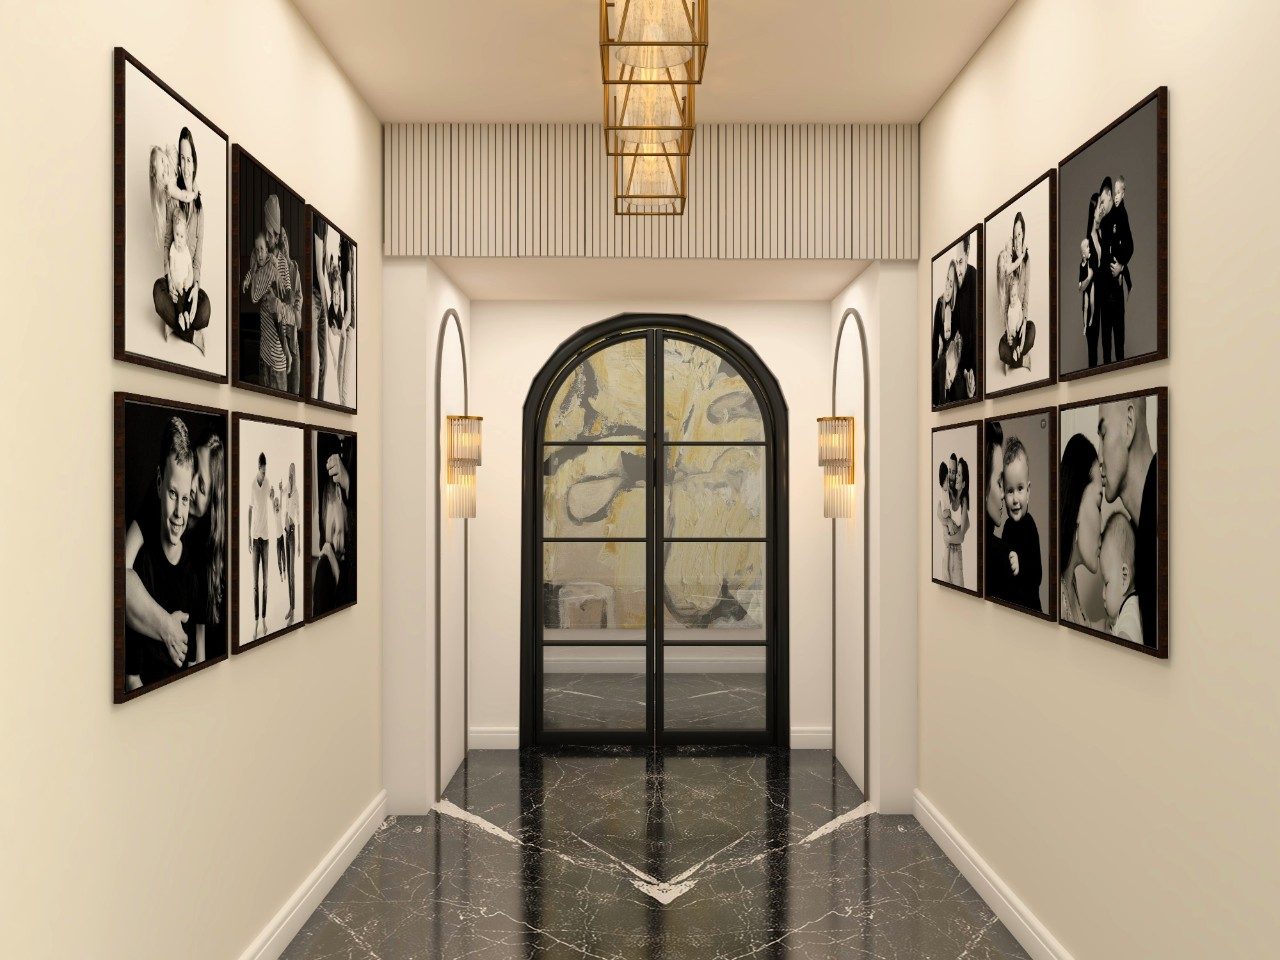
x,y
657,462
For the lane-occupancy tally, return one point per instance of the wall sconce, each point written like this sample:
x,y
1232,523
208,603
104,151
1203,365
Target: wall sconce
x,y
836,457
462,437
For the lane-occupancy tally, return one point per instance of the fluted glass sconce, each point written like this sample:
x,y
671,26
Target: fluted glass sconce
x,y
462,438
836,457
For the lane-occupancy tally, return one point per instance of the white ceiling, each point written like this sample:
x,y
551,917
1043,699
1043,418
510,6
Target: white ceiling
x,y
774,61
494,278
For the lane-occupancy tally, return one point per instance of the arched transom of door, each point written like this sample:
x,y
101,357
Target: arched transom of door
x,y
654,461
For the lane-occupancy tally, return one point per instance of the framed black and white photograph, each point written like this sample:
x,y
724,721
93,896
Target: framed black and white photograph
x,y
1113,226
332,331
171,522
1113,495
1020,546
1019,280
332,466
955,344
268,467
955,474
171,228
271,260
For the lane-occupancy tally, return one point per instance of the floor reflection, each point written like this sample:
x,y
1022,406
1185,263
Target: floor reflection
x,y
678,854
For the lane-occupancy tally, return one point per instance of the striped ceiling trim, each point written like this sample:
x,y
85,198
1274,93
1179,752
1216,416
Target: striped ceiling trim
x,y
756,191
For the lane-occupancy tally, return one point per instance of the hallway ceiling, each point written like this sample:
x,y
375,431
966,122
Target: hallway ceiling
x,y
769,61
667,281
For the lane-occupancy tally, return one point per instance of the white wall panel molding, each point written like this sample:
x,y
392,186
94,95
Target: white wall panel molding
x,y
756,191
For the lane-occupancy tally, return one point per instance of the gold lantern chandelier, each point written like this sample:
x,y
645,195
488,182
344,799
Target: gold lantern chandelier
x,y
652,55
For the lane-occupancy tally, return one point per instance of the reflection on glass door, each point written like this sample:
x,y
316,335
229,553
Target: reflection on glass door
x,y
654,619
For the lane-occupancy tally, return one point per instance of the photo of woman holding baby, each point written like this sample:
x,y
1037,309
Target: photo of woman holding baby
x,y
956,537
1021,309
171,229
1112,542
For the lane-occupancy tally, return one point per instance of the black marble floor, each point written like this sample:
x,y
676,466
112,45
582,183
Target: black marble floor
x,y
678,854
616,701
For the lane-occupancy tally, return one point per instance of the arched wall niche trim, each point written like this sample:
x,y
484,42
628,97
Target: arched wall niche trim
x,y
864,476
450,321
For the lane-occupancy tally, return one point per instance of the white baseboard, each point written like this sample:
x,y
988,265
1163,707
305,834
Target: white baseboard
x,y
493,738
810,738
508,738
1004,903
284,926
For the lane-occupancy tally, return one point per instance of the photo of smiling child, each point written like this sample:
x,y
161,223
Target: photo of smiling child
x,y
1022,548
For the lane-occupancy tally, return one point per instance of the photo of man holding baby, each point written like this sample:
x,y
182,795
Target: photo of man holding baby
x,y
1021,548
954,348
1112,252
1113,545
270,240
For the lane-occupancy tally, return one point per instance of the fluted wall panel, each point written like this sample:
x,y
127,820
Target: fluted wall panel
x,y
756,191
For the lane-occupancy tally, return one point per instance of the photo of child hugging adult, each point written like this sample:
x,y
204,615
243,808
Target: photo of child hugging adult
x,y
172,514
271,233
1111,473
171,229
956,533
1021,307
1020,548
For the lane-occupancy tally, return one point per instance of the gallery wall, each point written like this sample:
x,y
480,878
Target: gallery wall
x,y
510,341
1128,802
417,296
180,823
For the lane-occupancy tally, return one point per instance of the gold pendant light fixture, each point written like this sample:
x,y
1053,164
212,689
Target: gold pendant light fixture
x,y
652,54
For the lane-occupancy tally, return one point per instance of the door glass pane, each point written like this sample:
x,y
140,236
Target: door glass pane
x,y
713,688
594,491
705,397
713,593
714,491
599,688
593,593
603,398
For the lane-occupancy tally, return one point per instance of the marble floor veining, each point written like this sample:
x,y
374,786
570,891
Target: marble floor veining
x,y
675,854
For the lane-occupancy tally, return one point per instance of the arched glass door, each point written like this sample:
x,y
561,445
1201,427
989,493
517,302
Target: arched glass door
x,y
653,541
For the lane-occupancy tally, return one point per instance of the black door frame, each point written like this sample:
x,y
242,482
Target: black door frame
x,y
773,411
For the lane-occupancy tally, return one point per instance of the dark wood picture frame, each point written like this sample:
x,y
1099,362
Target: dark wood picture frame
x,y
120,449
121,58
309,320
1052,300
1161,352
977,489
239,157
236,646
1049,574
1161,649
979,319
309,616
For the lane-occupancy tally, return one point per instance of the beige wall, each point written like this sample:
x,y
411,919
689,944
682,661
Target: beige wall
x,y
177,824
510,342
416,296
1130,803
